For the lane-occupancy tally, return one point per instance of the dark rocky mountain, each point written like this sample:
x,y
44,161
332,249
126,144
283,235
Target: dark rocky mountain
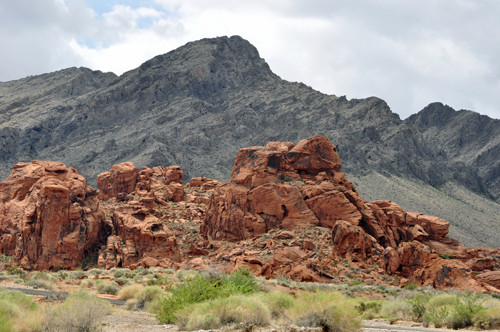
x,y
198,105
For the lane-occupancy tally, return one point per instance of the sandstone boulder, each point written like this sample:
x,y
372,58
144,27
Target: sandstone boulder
x,y
49,216
120,178
138,235
437,228
351,241
204,183
491,278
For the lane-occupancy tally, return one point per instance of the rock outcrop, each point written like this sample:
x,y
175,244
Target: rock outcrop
x,y
296,187
125,178
49,217
138,237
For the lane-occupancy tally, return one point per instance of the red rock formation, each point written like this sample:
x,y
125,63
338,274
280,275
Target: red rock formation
x,y
49,216
204,183
138,235
120,179
283,186
163,182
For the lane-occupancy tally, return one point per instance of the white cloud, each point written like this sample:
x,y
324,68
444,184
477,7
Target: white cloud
x,y
407,53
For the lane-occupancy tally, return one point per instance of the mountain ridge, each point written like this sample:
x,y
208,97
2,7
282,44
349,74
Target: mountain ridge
x,y
196,106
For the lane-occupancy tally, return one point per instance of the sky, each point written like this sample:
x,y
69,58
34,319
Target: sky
x,y
409,53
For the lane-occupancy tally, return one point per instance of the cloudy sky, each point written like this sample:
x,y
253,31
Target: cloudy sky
x,y
409,53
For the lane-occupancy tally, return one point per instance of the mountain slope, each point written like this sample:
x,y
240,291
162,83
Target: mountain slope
x,y
198,105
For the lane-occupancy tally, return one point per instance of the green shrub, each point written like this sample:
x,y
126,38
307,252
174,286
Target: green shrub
x,y
464,309
278,303
410,286
107,287
16,270
62,274
213,314
80,312
202,288
446,256
18,312
418,304
369,308
5,326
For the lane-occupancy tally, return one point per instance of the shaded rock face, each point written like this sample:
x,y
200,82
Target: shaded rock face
x,y
49,216
139,236
283,186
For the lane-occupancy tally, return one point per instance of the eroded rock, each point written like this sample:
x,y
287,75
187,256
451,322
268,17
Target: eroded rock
x,y
49,216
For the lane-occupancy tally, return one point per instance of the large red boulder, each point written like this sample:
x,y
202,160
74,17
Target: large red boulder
x,y
120,178
49,216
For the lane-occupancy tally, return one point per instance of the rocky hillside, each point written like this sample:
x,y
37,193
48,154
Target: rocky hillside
x,y
288,210
199,104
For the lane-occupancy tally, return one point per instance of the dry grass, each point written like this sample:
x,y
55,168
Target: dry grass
x,y
129,292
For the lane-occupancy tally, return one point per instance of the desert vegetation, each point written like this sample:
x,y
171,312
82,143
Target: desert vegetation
x,y
195,300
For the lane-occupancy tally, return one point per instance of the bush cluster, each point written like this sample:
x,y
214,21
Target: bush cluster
x,y
202,288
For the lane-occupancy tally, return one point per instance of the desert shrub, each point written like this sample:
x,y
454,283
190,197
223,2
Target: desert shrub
x,y
19,281
16,270
6,259
87,283
418,305
368,309
18,312
278,303
395,308
491,302
44,276
118,273
129,292
202,288
122,281
95,272
380,289
37,283
438,310
147,296
487,319
410,286
212,314
107,287
77,274
464,309
438,316
80,312
330,311
167,271
62,274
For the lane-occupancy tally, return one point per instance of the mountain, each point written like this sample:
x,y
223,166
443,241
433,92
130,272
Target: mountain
x,y
198,105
